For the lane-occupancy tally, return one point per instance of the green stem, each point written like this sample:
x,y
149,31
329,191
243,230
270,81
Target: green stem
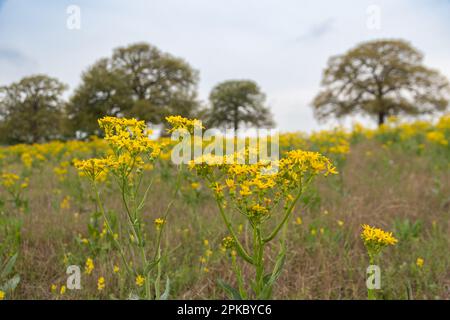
x,y
288,211
240,249
258,255
108,226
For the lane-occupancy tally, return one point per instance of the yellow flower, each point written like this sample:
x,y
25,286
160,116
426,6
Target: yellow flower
x,y
420,262
206,242
89,266
437,137
228,242
116,269
180,123
53,288
195,185
95,169
101,284
159,222
245,190
27,160
340,223
2,295
62,290
65,203
9,179
376,236
298,221
140,280
230,183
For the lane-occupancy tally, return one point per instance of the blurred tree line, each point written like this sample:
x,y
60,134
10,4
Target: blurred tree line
x,y
378,78
137,81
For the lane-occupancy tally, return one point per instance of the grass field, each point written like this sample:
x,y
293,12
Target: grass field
x,y
396,178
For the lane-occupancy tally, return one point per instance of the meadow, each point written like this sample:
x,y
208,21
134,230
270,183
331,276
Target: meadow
x,y
175,245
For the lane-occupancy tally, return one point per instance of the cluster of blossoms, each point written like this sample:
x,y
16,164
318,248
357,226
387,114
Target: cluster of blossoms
x,y
334,142
14,185
130,153
256,189
245,183
130,145
183,124
9,179
376,239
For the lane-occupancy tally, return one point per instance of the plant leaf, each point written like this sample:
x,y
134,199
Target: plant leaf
x,y
11,284
8,267
165,295
232,292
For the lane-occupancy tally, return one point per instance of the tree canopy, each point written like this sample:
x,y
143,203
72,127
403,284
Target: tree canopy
x,y
238,102
380,78
31,110
136,81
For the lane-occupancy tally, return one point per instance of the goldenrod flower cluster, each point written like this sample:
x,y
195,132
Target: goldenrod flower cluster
x,y
257,188
375,240
130,144
180,123
377,236
9,179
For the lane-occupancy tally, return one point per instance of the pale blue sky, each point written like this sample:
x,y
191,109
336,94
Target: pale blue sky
x,y
283,45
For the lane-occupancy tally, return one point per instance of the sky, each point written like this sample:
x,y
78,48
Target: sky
x,y
283,45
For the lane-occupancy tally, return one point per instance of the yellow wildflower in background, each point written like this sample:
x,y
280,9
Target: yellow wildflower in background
x,y
2,295
9,179
159,222
180,123
27,160
89,266
65,203
195,185
140,280
101,284
420,262
62,291
437,137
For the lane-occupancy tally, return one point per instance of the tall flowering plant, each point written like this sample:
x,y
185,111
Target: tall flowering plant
x,y
256,191
375,240
131,151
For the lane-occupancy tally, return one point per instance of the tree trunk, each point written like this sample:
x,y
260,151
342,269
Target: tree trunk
x,y
236,119
381,117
